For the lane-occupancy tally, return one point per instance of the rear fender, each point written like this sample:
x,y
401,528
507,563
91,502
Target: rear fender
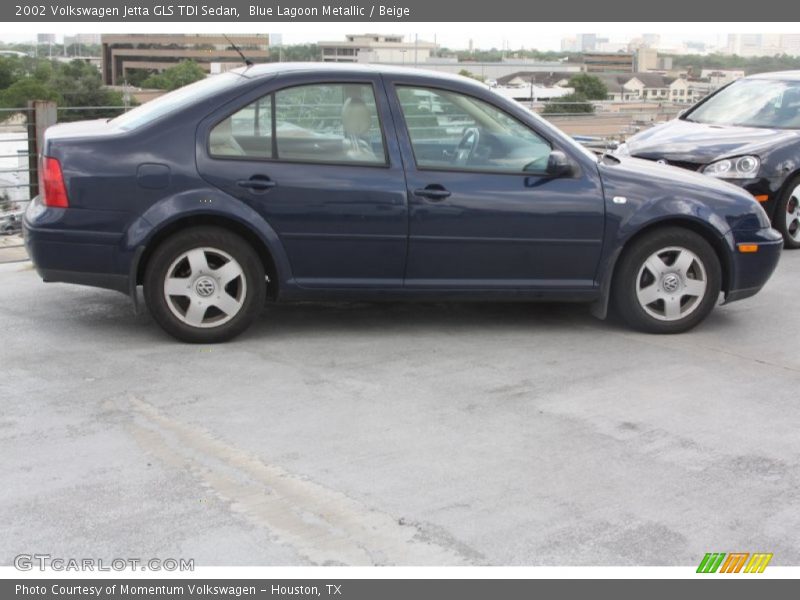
x,y
207,203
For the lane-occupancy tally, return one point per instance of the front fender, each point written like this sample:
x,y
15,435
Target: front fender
x,y
645,196
620,235
202,202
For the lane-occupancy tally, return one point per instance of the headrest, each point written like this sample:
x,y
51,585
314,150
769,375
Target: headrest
x,y
356,117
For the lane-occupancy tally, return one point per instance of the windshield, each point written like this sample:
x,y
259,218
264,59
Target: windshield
x,y
752,103
168,103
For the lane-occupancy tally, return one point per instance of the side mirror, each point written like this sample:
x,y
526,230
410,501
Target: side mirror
x,y
559,164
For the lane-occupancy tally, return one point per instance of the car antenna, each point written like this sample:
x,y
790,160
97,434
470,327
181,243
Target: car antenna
x,y
246,60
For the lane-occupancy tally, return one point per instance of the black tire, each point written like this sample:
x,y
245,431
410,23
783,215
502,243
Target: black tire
x,y
790,241
631,275
217,247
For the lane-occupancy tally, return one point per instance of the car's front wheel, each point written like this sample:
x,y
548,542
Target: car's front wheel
x,y
204,285
668,281
787,217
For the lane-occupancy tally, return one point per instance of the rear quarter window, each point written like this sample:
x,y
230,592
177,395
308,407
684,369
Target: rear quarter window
x,y
176,100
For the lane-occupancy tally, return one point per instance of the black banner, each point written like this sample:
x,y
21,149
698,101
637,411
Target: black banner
x,y
391,589
260,11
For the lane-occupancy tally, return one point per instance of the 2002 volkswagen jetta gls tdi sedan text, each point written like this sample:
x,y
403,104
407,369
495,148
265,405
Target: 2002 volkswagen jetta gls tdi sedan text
x,y
299,182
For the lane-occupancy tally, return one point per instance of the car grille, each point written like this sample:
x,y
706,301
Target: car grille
x,y
681,164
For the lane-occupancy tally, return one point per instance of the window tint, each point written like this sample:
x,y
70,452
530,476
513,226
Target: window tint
x,y
328,123
451,130
246,133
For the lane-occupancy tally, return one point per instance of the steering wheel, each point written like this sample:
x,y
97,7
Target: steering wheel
x,y
467,146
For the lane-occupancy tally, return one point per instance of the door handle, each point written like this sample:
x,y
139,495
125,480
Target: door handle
x,y
432,192
257,183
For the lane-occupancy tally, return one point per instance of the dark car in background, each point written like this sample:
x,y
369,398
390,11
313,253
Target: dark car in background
x,y
301,182
747,133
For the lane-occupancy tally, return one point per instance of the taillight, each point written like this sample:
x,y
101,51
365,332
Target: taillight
x,y
51,183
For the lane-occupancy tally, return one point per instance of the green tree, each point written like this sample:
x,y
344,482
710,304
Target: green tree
x,y
182,74
589,86
76,84
695,63
294,53
80,85
470,74
137,77
496,55
21,91
42,70
569,104
8,70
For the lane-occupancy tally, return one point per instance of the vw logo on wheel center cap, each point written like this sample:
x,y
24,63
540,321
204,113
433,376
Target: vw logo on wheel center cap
x,y
205,286
671,282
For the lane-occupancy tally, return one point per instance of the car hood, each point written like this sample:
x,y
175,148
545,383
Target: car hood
x,y
685,141
667,191
664,178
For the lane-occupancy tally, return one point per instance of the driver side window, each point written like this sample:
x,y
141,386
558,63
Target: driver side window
x,y
449,130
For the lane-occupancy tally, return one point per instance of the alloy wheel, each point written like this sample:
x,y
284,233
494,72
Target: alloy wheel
x,y
793,215
671,283
205,287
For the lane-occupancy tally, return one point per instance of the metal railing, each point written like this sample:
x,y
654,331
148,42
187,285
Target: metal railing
x,y
18,178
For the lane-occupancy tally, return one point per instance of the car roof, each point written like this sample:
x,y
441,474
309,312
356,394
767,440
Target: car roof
x,y
267,69
778,75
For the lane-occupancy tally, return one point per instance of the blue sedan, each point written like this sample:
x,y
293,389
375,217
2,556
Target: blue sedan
x,y
298,182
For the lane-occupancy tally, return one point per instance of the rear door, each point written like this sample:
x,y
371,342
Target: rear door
x,y
317,160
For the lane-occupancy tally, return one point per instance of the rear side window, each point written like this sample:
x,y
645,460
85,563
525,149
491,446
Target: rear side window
x,y
247,133
328,123
321,123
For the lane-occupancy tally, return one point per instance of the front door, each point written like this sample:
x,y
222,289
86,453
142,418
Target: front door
x,y
483,211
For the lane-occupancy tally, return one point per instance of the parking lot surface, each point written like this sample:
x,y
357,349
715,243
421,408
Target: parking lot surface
x,y
414,434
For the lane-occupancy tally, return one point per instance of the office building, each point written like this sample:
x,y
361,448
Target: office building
x,y
157,52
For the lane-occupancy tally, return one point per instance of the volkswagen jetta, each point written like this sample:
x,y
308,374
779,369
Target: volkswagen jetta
x,y
297,182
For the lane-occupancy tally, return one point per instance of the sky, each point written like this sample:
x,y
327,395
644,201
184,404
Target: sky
x,y
512,36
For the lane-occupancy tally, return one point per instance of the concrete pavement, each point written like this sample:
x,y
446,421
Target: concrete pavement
x,y
398,433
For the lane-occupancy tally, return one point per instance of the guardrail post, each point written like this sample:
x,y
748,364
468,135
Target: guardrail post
x,y
41,114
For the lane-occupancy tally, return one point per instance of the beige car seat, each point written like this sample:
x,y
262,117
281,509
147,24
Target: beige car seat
x,y
356,123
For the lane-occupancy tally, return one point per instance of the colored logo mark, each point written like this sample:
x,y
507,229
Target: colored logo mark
x,y
734,562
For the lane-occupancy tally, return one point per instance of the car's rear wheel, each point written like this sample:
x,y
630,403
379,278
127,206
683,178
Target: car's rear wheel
x,y
787,216
667,282
204,285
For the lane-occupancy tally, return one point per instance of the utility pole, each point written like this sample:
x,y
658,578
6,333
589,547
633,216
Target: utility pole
x,y
531,92
126,96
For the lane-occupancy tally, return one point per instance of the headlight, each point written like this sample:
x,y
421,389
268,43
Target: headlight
x,y
622,150
742,167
